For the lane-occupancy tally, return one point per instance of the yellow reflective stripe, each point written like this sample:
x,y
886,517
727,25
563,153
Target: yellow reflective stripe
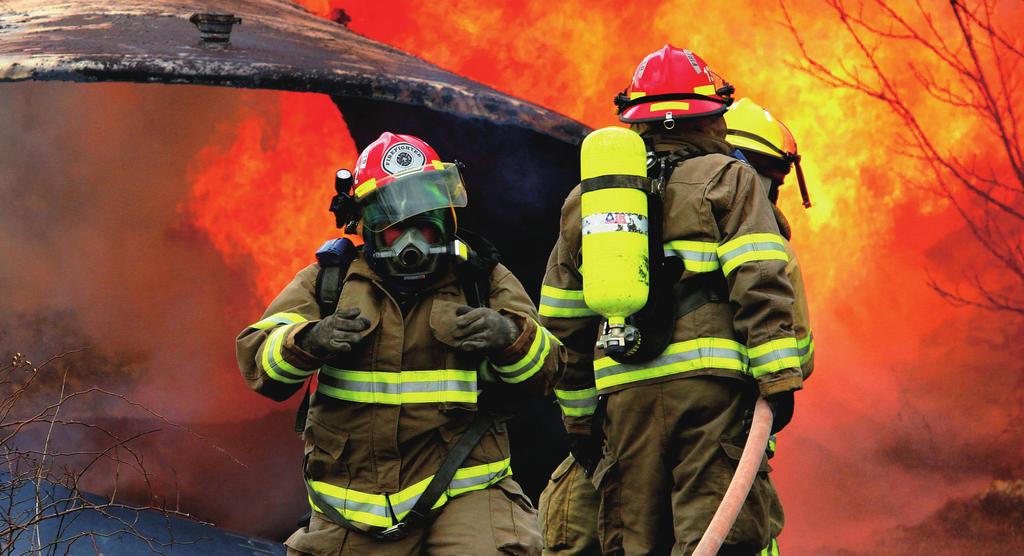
x,y
771,550
381,510
705,90
670,105
577,403
697,256
751,247
273,362
277,319
559,303
773,356
395,388
529,364
679,357
366,187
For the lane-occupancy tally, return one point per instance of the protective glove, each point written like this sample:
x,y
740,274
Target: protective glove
x,y
483,329
336,333
587,450
782,409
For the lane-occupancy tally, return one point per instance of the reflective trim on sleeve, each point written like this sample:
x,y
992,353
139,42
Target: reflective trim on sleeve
x,y
752,247
384,510
277,319
529,364
805,347
773,356
559,303
772,443
680,357
697,256
577,403
396,388
771,550
273,362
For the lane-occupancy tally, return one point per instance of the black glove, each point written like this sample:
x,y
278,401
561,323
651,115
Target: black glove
x,y
483,329
586,448
336,333
782,405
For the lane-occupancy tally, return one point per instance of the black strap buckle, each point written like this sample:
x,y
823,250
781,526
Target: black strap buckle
x,y
396,532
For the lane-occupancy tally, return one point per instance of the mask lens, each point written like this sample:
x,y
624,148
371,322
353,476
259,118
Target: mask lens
x,y
391,234
429,234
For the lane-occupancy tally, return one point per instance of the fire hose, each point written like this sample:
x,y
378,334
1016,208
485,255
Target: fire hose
x,y
736,494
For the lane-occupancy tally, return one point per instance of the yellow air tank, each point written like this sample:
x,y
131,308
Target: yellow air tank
x,y
616,265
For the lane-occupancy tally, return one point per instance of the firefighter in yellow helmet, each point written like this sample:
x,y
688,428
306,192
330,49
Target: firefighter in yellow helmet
x,y
660,437
569,504
409,335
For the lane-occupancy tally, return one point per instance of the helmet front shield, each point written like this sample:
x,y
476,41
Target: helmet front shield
x,y
389,201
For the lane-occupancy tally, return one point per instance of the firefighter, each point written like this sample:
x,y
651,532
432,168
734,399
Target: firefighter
x,y
405,365
569,504
672,427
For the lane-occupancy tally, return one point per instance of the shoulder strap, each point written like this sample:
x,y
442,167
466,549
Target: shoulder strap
x,y
334,257
474,273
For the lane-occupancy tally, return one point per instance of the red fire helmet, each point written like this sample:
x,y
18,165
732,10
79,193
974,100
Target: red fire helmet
x,y
400,176
673,84
392,154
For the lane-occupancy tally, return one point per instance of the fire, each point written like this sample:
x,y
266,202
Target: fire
x,y
864,245
263,199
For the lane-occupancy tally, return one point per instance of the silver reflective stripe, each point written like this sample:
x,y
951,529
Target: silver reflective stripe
x,y
399,388
584,402
349,505
689,355
757,246
475,481
542,351
696,256
563,303
774,356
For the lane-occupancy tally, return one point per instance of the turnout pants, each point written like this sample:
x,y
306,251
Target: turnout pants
x,y
499,520
671,452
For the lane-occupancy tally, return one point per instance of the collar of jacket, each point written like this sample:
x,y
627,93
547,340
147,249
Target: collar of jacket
x,y
689,141
361,268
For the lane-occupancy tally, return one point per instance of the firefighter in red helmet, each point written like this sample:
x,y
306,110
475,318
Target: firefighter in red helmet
x,y
409,336
660,437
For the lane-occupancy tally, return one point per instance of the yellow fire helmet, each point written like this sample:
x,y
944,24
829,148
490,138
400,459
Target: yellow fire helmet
x,y
752,128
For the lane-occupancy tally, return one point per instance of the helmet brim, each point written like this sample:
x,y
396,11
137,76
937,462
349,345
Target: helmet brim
x,y
680,110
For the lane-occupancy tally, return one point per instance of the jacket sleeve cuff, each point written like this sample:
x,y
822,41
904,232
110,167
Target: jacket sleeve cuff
x,y
284,361
787,380
578,425
526,361
518,348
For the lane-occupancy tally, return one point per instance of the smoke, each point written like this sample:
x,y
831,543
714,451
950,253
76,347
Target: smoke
x,y
99,253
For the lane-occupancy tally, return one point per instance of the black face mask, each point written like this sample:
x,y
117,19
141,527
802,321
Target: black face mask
x,y
413,256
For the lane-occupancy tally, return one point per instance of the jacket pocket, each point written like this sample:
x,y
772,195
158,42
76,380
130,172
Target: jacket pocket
x,y
325,447
442,321
735,452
